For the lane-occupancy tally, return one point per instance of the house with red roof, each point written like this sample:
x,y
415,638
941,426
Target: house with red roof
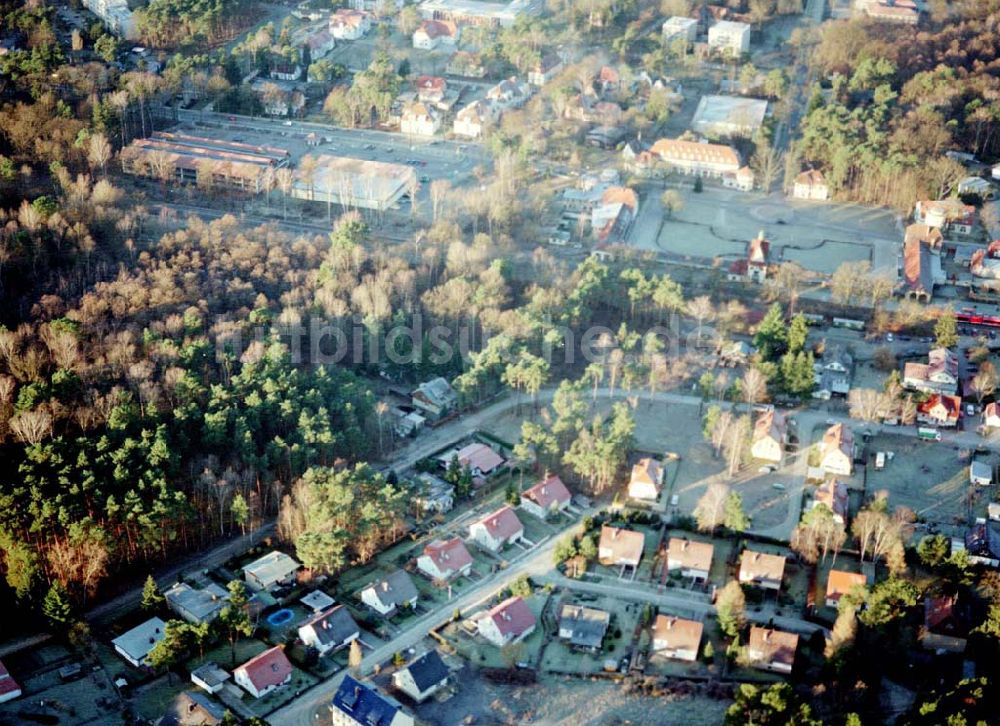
x,y
840,583
434,33
265,672
833,495
940,410
811,184
836,450
508,622
9,688
479,458
545,497
697,158
431,89
445,559
497,530
758,250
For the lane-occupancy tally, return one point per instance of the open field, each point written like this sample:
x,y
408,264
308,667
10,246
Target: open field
x,y
930,478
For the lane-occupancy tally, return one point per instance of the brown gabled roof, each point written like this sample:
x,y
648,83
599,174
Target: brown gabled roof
x,y
833,494
625,544
935,405
774,646
547,491
758,249
771,423
840,437
840,583
761,566
811,177
691,555
438,28
924,234
646,471
431,83
622,195
677,633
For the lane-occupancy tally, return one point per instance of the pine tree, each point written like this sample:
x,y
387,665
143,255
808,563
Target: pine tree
x,y
235,617
152,598
56,606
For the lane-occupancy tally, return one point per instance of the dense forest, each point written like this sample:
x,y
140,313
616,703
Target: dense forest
x,y
894,98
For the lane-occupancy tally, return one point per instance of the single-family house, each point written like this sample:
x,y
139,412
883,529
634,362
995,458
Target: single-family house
x,y
509,93
692,559
329,631
497,530
420,119
938,375
508,622
422,677
196,605
811,184
611,218
951,216
980,473
264,673
279,100
272,569
192,708
9,688
618,547
432,34
902,12
768,440
679,27
583,627
431,89
833,495
946,628
976,186
761,569
772,650
545,70
473,120
349,24
436,397
836,450
480,459
320,43
840,583
742,179
646,480
134,645
361,704
729,38
940,410
546,497
210,677
283,70
991,415
432,494
390,594
677,638
445,559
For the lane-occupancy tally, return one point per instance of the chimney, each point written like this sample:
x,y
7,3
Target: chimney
x,y
385,586
767,636
670,623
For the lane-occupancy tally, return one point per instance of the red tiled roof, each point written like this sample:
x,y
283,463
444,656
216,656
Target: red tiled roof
x,y
502,524
625,544
428,83
438,28
270,668
620,195
646,471
690,554
840,437
512,617
547,491
677,633
935,405
448,555
840,583
775,646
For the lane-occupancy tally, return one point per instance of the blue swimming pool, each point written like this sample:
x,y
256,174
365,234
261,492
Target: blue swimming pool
x,y
280,617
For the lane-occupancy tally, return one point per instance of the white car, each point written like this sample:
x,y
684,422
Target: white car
x,y
767,469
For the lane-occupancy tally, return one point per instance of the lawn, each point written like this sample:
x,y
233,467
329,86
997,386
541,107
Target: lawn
x,y
476,650
561,658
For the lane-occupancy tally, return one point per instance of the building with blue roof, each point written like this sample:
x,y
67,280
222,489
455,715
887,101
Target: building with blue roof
x,y
360,704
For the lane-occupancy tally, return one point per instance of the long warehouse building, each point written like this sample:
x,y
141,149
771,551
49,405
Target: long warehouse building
x,y
220,163
354,183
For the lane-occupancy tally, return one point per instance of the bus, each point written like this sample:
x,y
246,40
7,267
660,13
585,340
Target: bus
x,y
928,434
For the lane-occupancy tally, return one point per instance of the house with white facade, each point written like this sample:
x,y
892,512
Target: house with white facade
x,y
420,119
349,24
473,120
388,595
445,559
329,631
509,622
646,480
432,34
691,559
264,673
272,569
676,638
422,677
497,530
134,645
546,497
811,184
